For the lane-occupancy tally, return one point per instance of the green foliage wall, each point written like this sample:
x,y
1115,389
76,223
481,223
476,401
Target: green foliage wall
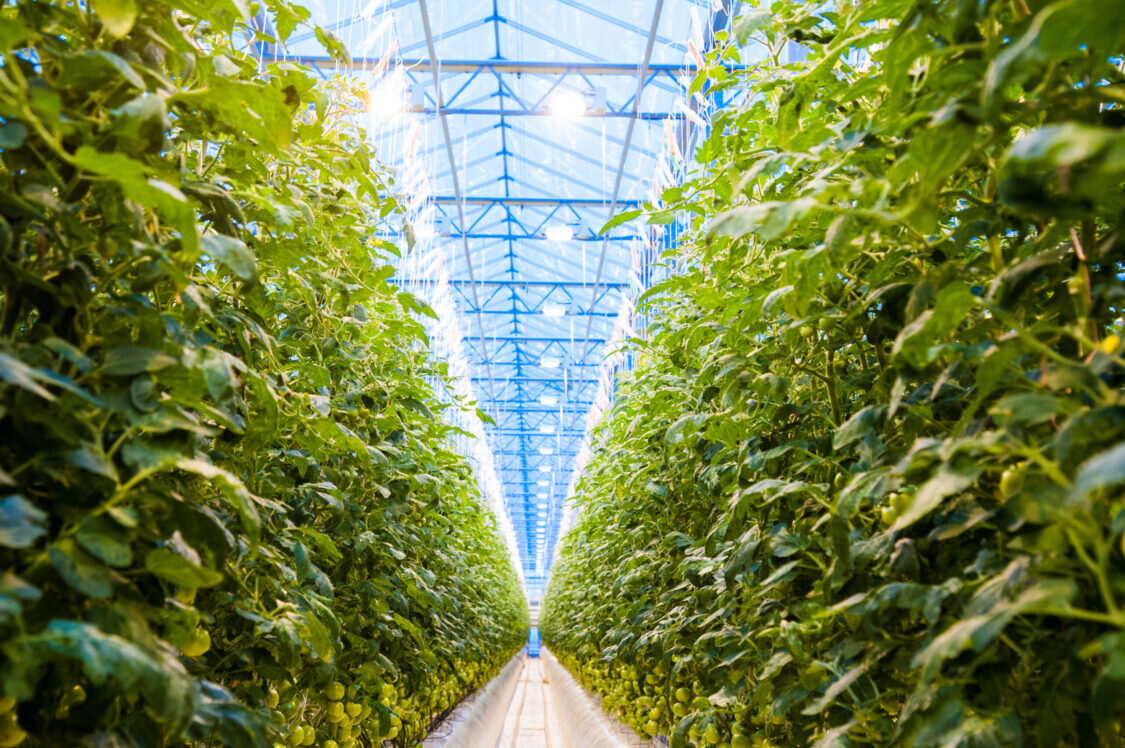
x,y
224,482
865,486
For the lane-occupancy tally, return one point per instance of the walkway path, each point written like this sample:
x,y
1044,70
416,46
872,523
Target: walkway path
x,y
531,721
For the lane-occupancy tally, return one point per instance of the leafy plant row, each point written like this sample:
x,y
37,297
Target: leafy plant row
x,y
865,485
229,511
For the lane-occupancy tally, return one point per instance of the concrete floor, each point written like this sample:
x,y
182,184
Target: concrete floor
x,y
531,721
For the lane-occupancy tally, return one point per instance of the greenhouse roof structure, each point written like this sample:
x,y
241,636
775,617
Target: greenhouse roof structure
x,y
522,127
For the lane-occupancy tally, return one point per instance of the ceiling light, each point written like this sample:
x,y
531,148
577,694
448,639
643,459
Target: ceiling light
x,y
567,105
549,363
541,495
559,233
542,483
554,310
547,429
546,451
544,468
386,100
548,400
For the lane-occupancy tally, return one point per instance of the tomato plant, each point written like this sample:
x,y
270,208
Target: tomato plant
x,y
229,511
865,483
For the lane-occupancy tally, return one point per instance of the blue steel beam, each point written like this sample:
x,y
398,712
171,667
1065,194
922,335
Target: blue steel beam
x,y
516,67
608,113
520,283
519,237
534,201
533,313
521,339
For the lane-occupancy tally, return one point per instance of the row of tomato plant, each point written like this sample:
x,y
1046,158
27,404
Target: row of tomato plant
x,y
865,483
230,513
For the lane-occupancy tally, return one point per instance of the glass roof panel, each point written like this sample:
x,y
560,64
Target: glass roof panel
x,y
509,194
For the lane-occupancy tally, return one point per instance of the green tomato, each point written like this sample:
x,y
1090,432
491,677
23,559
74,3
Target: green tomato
x,y
198,644
1011,481
335,691
711,734
272,698
741,741
807,331
682,694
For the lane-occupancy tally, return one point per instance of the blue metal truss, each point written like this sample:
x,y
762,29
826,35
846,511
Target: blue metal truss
x,y
540,328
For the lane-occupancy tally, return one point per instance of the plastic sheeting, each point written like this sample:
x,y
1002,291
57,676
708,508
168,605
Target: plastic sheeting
x,y
478,720
582,723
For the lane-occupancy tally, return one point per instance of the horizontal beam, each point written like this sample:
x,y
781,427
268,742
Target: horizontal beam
x,y
523,237
552,380
533,313
568,407
525,364
644,116
511,283
548,68
534,201
625,69
521,339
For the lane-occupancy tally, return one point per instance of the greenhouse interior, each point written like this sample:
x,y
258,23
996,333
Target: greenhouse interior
x,y
548,373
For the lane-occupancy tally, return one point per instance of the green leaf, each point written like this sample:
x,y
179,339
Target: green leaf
x,y
768,220
105,540
243,501
21,522
152,193
117,16
98,464
619,219
174,568
13,133
1101,471
336,48
917,341
417,406
16,372
94,68
80,571
232,253
127,360
946,482
13,33
749,23
111,661
860,426
684,427
1069,144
